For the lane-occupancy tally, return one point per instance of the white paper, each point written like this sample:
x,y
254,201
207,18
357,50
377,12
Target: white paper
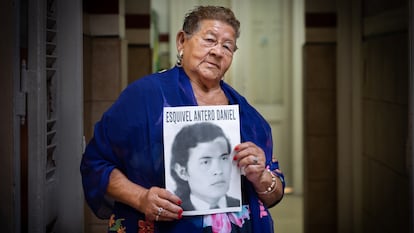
x,y
227,118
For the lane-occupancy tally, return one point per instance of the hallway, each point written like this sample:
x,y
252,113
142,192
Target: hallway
x,y
288,215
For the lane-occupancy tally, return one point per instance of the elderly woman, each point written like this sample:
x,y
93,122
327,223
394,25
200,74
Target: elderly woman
x,y
123,165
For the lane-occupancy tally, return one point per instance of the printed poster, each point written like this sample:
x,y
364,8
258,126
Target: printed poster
x,y
198,156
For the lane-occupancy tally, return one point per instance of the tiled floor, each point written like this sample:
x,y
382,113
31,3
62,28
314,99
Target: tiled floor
x,y
288,214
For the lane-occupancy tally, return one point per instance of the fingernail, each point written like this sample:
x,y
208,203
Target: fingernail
x,y
179,202
234,158
180,214
236,148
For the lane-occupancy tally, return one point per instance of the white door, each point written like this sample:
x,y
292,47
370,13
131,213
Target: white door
x,y
266,69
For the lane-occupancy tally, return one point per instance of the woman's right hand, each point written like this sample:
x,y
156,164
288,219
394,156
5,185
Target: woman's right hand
x,y
159,204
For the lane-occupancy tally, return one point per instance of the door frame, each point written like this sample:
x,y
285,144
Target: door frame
x,y
58,199
411,108
349,112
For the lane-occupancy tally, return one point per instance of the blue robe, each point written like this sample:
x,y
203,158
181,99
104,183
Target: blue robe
x,y
129,137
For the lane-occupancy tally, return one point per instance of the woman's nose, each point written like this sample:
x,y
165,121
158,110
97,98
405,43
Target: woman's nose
x,y
217,50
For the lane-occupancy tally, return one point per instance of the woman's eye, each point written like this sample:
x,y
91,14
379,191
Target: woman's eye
x,y
229,47
210,41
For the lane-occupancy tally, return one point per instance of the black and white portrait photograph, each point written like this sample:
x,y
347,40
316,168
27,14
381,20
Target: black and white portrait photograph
x,y
199,164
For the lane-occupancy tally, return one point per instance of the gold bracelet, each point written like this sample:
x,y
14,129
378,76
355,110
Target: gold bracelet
x,y
272,186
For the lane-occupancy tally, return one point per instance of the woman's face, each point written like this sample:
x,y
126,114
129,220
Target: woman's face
x,y
208,52
209,169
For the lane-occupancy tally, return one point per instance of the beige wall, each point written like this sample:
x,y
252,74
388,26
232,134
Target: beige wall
x,y
7,53
385,127
139,62
104,79
110,63
320,155
359,149
385,163
320,119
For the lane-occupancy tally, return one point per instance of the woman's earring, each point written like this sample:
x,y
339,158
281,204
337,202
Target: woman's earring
x,y
179,62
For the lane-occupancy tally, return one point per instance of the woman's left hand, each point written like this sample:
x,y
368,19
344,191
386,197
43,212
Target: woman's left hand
x,y
252,160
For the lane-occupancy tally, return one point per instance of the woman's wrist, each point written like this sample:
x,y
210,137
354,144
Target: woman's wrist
x,y
121,189
140,198
269,185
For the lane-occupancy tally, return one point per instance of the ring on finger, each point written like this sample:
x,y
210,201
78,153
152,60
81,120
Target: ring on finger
x,y
255,160
160,209
157,216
